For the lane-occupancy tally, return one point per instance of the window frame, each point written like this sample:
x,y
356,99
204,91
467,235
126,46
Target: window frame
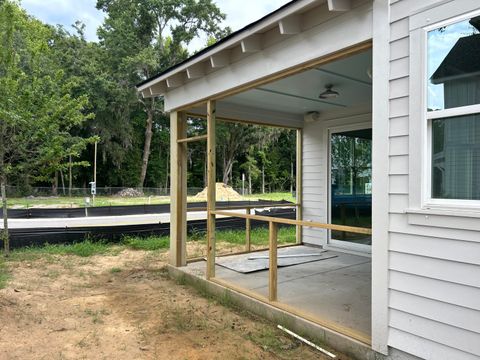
x,y
427,119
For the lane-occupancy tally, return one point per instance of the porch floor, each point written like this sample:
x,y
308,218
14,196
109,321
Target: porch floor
x,y
336,290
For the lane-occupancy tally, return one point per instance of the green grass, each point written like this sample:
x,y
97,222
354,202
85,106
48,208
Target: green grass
x,y
147,243
4,274
86,248
79,201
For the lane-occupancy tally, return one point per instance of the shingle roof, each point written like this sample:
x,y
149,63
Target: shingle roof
x,y
463,59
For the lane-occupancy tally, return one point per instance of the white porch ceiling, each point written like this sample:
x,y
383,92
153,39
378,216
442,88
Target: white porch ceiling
x,y
286,101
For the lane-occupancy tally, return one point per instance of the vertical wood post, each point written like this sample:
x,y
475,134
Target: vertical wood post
x,y
272,285
248,240
298,183
211,185
178,190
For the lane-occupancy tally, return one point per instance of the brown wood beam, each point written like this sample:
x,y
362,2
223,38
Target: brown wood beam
x,y
211,187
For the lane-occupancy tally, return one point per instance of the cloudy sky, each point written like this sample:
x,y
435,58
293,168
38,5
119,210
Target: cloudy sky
x,y
66,12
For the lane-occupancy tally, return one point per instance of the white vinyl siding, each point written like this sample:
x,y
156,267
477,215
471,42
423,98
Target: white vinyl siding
x,y
434,273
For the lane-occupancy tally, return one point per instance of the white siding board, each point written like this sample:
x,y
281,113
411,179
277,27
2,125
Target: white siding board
x,y
399,48
399,29
399,68
452,336
444,291
399,165
405,8
449,314
399,126
425,348
399,224
399,87
452,271
398,203
454,250
399,107
398,184
399,145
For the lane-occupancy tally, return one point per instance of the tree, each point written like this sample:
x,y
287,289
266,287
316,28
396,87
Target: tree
x,y
37,110
145,38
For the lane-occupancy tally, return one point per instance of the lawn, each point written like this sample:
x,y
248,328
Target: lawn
x,y
79,201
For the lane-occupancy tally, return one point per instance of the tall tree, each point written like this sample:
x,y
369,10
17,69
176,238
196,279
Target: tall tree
x,y
144,38
37,110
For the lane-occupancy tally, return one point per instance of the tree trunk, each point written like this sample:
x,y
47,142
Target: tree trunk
x,y
70,176
146,146
291,177
167,175
249,181
263,179
55,184
5,235
63,182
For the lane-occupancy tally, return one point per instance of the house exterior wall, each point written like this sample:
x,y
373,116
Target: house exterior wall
x,y
315,175
433,262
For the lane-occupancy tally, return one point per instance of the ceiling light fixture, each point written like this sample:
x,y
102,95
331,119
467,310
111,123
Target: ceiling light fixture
x,y
329,93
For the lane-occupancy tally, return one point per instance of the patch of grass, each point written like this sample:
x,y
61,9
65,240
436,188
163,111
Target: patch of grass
x,y
97,315
4,274
258,236
84,249
149,243
115,270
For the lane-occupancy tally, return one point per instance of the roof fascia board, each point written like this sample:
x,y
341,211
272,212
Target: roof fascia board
x,y
292,9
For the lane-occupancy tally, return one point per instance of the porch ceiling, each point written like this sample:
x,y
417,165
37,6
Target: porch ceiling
x,y
286,101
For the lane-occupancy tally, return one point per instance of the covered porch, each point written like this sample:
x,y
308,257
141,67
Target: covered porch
x,y
268,78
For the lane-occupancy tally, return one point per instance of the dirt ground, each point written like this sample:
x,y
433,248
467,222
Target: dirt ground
x,y
124,306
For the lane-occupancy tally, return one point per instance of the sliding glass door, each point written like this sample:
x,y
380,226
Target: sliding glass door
x,y
351,185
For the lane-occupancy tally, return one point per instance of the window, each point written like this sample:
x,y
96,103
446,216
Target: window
x,y
453,110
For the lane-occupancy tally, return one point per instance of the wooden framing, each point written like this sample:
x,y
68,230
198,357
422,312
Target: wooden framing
x,y
211,187
178,190
298,183
192,139
272,261
353,229
248,234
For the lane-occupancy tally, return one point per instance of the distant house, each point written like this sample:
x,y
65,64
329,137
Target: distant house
x,y
385,99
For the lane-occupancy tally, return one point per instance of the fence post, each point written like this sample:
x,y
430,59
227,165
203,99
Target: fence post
x,y
248,239
272,285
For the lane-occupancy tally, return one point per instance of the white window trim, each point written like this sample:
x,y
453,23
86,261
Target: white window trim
x,y
427,202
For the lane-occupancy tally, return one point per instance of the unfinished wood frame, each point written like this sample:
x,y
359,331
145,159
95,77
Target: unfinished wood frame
x,y
178,190
298,183
211,187
272,298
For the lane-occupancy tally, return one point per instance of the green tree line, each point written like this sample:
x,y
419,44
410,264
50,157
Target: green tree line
x,y
60,93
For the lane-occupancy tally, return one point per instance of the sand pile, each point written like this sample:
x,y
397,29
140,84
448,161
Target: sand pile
x,y
224,193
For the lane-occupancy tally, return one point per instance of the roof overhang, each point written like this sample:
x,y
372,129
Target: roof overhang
x,y
246,41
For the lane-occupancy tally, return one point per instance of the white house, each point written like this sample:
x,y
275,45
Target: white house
x,y
397,83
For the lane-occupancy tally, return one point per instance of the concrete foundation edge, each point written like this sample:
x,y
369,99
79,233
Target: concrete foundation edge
x,y
312,331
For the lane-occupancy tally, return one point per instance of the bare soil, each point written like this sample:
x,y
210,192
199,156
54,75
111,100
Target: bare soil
x,y
124,306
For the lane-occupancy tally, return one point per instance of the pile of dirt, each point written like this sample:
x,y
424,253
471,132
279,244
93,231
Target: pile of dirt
x,y
129,192
223,193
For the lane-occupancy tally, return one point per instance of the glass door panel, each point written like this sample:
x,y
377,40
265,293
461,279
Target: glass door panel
x,y
351,183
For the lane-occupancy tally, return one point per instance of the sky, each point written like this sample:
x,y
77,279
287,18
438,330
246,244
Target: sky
x,y
66,12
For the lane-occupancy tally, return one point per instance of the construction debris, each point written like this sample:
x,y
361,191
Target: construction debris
x,y
223,193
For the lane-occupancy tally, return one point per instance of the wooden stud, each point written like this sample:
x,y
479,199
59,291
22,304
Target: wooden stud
x,y
353,229
248,236
299,183
192,139
272,261
178,190
211,187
